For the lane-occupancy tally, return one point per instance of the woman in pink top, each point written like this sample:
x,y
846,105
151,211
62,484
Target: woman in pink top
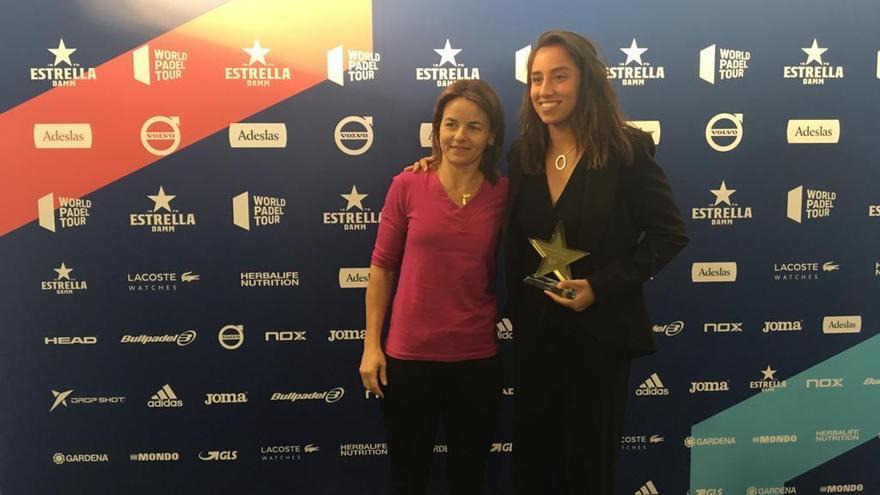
x,y
440,232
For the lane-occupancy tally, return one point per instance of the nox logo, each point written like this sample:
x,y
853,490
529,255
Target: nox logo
x,y
499,447
652,387
218,455
355,216
62,71
285,335
729,64
635,75
504,329
722,327
824,382
448,70
257,72
670,329
360,65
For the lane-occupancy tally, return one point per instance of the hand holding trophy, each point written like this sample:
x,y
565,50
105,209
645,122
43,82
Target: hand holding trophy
x,y
555,258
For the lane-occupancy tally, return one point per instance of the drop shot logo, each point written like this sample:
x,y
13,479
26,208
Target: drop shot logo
x,y
62,71
266,210
162,217
355,216
634,71
257,72
723,64
72,212
358,65
814,71
448,70
158,64
717,213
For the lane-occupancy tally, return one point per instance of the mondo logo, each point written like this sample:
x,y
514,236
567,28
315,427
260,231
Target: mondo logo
x,y
354,130
231,337
160,135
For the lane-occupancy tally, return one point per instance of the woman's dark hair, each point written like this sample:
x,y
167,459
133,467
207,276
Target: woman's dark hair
x,y
484,97
597,121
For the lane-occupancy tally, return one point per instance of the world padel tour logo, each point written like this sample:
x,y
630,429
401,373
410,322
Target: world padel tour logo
x,y
634,71
162,218
448,70
355,216
723,63
359,65
266,210
160,135
64,284
719,214
158,64
62,71
818,204
814,71
257,72
72,212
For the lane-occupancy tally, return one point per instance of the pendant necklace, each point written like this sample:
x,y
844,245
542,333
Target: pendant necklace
x,y
465,197
561,158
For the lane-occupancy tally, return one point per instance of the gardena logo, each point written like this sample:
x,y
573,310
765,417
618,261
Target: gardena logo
x,y
691,442
59,458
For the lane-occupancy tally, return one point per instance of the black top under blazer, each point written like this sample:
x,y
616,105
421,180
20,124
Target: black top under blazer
x,y
631,227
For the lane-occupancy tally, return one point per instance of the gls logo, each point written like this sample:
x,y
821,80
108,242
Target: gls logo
x,y
501,447
218,455
285,336
722,327
824,382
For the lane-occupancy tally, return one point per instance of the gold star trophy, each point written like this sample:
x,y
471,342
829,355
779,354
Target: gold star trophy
x,y
555,258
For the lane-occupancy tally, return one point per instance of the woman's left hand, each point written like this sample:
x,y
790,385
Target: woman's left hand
x,y
583,299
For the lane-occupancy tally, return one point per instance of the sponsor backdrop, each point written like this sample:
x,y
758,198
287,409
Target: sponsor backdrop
x,y
192,191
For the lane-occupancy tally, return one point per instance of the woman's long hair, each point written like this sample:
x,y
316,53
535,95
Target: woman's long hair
x,y
597,121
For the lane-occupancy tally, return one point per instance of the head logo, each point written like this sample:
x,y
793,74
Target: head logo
x,y
713,272
72,212
62,71
815,131
364,136
652,127
63,284
167,65
87,340
635,75
722,215
670,329
730,64
727,138
842,324
60,398
652,386
362,65
160,135
231,337
353,220
267,210
818,205
444,76
254,135
164,397
257,72
814,71
354,278
63,136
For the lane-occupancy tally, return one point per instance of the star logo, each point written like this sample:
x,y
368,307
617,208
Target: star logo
x,y
162,200
555,255
60,398
62,53
63,272
447,54
354,199
814,53
722,194
257,53
633,53
769,373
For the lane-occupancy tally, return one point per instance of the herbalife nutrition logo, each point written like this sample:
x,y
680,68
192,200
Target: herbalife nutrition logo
x,y
267,210
257,72
814,71
652,387
162,218
72,212
724,62
355,216
165,397
360,65
633,71
64,284
448,70
62,71
719,214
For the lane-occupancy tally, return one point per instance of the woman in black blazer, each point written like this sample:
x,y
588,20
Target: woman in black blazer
x,y
578,163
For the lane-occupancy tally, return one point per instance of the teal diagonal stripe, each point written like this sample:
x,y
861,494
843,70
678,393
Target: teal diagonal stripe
x,y
779,434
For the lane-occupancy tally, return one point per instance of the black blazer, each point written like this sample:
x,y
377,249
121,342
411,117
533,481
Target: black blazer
x,y
631,227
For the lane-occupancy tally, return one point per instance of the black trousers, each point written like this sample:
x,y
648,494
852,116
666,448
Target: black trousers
x,y
464,397
569,405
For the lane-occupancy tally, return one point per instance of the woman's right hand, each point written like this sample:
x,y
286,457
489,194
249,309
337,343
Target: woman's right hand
x,y
373,371
423,164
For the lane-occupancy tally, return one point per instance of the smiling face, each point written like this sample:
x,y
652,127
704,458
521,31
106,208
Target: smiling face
x,y
464,133
554,85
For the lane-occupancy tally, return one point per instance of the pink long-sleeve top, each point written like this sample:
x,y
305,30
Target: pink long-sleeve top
x,y
443,309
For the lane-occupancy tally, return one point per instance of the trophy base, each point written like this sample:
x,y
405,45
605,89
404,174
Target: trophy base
x,y
547,283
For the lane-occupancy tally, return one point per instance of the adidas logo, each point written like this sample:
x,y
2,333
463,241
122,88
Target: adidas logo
x,y
652,386
648,488
165,397
60,398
